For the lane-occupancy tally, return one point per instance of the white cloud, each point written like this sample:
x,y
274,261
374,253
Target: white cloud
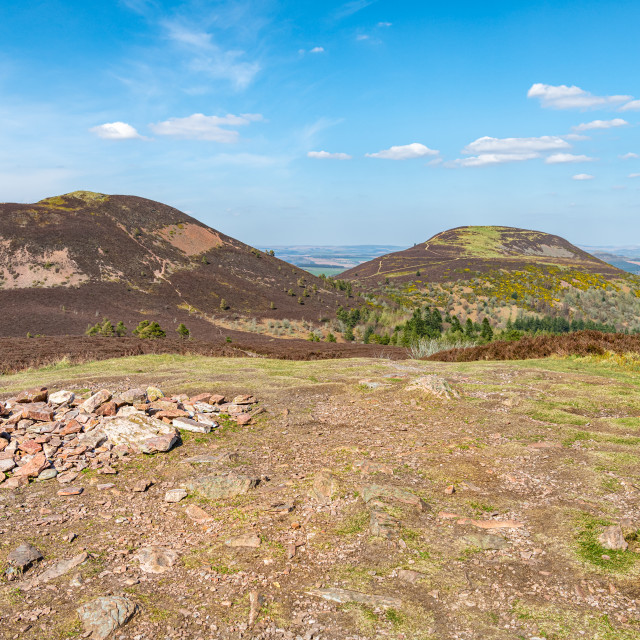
x,y
385,24
325,155
115,131
317,50
634,175
559,158
488,145
362,36
582,176
487,159
634,105
629,156
575,136
564,97
601,124
201,127
404,152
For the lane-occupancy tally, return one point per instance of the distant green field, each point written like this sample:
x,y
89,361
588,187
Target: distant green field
x,y
327,271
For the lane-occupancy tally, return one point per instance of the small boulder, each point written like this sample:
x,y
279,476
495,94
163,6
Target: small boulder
x,y
7,465
325,484
198,514
34,467
412,577
33,395
133,396
102,616
612,538
47,474
62,397
24,556
153,394
175,495
90,405
141,431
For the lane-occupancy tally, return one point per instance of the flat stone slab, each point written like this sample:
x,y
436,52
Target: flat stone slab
x,y
229,486
250,540
486,541
156,559
55,571
191,425
344,596
393,493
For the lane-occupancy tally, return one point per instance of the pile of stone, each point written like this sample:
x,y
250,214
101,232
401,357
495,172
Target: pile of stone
x,y
56,435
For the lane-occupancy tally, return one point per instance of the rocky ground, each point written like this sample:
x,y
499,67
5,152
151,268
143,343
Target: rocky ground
x,y
355,499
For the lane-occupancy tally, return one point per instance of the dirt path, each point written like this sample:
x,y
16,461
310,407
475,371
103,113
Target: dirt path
x,y
359,534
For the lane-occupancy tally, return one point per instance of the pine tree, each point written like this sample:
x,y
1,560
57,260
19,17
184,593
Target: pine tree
x,y
183,332
120,329
107,328
486,331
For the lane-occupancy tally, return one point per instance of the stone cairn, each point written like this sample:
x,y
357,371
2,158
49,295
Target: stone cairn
x,y
57,435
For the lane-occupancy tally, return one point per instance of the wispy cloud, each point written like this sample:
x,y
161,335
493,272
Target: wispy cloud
x,y
583,176
317,50
404,152
629,156
601,124
350,8
385,24
565,97
563,158
326,155
116,131
487,144
201,127
209,57
139,6
487,159
634,175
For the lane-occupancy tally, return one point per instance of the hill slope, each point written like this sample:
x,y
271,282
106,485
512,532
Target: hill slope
x,y
461,253
70,260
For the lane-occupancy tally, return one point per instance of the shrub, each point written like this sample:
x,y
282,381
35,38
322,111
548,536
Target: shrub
x,y
223,304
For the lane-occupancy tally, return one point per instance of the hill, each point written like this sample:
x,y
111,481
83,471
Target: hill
x,y
461,253
70,260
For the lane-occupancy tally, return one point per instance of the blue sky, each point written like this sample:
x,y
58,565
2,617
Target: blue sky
x,y
297,122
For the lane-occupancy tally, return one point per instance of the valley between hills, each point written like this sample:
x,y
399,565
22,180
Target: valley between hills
x,y
199,440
